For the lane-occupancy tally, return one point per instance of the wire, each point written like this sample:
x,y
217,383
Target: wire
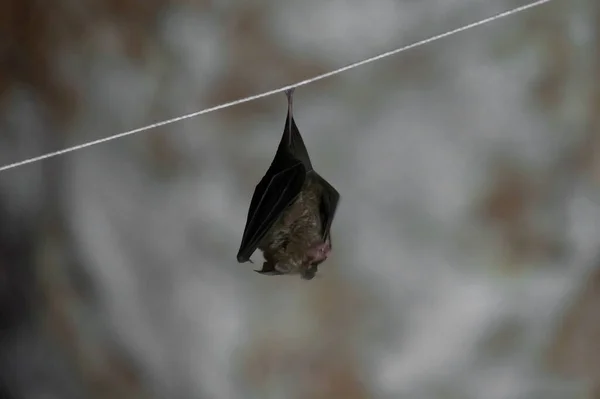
x,y
268,93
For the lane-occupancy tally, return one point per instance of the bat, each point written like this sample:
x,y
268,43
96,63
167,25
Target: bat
x,y
291,210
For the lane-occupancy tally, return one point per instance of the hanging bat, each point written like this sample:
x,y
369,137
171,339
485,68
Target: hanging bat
x,y
291,210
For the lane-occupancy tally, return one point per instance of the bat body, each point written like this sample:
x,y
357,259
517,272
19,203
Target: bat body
x,y
291,211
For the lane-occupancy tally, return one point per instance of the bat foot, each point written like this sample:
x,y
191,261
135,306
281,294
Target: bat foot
x,y
289,93
290,97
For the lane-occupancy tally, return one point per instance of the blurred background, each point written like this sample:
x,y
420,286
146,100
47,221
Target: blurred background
x,y
466,261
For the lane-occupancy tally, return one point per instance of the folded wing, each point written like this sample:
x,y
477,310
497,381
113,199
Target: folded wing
x,y
272,196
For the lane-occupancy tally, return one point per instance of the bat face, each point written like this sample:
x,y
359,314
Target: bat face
x,y
300,257
321,253
291,211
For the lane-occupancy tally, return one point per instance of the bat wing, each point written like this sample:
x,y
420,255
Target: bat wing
x,y
275,192
292,143
328,206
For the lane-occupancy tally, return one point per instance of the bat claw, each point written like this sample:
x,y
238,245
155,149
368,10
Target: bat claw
x,y
290,92
290,96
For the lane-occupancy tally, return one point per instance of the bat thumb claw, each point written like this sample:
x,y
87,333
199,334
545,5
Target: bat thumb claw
x,y
268,273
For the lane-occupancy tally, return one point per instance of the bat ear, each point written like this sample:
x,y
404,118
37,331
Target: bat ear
x,y
311,272
309,277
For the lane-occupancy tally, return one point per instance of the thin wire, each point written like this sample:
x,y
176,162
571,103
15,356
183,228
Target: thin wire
x,y
268,93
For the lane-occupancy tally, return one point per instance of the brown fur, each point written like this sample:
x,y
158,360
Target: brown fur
x,y
286,243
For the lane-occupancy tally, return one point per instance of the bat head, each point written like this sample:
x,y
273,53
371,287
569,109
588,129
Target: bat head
x,y
305,263
318,252
316,255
